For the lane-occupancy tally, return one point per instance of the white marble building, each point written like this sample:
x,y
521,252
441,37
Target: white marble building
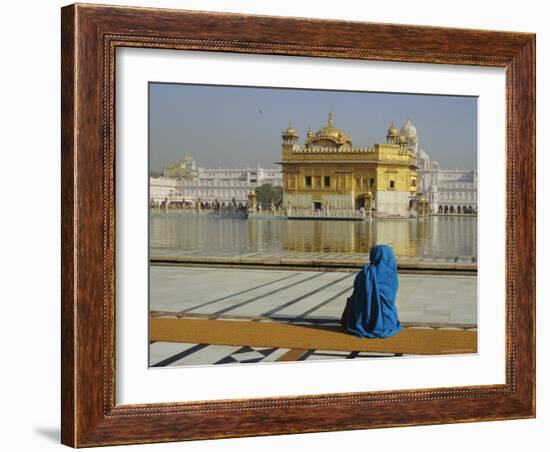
x,y
455,192
253,176
448,191
213,185
163,188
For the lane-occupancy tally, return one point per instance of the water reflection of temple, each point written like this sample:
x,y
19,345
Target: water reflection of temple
x,y
437,236
405,237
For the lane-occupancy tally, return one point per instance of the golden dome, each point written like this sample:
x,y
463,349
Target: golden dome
x,y
392,131
332,132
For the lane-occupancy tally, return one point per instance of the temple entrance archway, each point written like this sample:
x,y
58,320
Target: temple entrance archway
x,y
362,202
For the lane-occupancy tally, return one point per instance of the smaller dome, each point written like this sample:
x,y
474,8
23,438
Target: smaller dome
x,y
392,131
290,131
402,139
409,130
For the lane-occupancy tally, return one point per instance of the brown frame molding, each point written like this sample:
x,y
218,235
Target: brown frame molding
x,y
90,35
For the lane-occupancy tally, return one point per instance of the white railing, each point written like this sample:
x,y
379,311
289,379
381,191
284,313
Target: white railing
x,y
327,213
267,213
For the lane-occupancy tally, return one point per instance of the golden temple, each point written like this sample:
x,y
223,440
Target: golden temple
x,y
328,173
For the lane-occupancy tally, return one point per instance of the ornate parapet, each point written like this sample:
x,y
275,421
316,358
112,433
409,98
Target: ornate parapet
x,y
328,150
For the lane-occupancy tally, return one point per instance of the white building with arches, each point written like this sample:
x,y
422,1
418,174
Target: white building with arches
x,y
212,186
448,191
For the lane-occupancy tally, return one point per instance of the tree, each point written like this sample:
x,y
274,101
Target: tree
x,y
267,194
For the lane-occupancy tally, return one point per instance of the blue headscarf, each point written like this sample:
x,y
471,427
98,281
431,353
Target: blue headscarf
x,y
371,311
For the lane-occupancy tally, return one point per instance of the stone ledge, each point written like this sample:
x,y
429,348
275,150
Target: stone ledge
x,y
316,264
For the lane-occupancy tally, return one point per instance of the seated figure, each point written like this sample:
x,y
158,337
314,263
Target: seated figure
x,y
371,311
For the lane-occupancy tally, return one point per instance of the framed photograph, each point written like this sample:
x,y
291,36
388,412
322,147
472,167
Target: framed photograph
x,y
282,225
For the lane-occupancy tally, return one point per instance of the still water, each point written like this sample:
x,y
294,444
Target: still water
x,y
435,237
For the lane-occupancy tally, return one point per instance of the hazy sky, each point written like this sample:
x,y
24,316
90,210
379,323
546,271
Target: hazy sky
x,y
235,126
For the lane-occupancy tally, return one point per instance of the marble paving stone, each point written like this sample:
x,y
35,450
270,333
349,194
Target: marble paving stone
x,y
275,300
247,355
426,298
208,355
314,300
326,355
211,354
159,351
229,299
275,355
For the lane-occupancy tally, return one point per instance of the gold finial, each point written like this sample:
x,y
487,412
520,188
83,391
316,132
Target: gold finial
x,y
330,120
290,130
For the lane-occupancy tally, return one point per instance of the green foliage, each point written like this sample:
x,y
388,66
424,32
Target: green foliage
x,y
267,194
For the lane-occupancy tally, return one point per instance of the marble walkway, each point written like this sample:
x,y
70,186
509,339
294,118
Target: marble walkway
x,y
302,297
469,262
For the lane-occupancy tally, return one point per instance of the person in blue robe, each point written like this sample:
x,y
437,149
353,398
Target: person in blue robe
x,y
371,311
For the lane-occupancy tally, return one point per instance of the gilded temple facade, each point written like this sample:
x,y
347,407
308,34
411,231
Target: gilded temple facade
x,y
328,173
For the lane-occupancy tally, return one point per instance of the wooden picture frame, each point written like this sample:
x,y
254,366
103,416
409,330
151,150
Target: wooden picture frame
x,y
90,36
